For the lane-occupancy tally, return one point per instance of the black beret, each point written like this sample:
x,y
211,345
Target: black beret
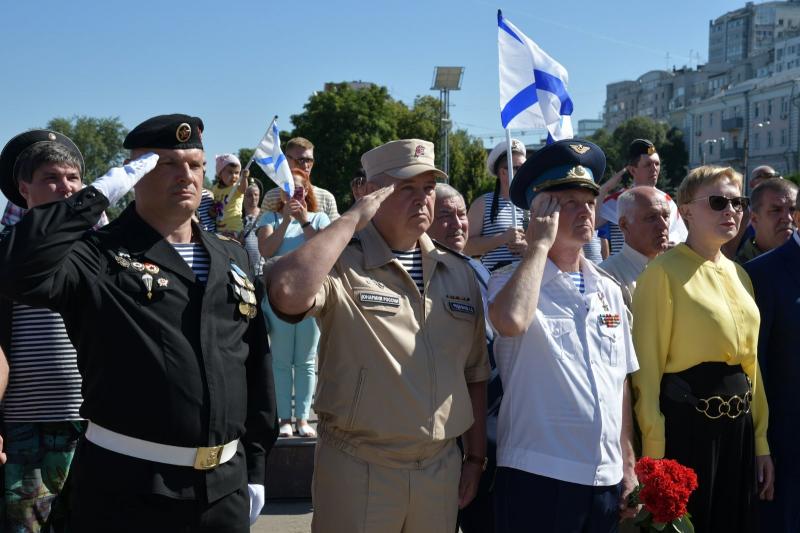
x,y
10,156
174,132
640,147
565,164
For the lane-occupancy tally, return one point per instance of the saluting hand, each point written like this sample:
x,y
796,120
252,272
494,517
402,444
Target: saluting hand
x,y
366,206
119,180
3,457
543,226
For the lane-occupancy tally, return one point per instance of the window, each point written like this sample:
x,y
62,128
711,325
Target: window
x,y
710,148
785,105
710,119
769,108
783,137
755,110
756,141
769,139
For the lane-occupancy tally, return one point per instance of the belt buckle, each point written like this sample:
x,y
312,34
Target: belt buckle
x,y
207,457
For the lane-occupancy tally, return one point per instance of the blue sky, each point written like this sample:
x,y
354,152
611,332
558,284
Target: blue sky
x,y
238,63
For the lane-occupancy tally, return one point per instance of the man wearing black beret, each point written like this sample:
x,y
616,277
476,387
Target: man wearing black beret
x,y
644,166
564,454
177,379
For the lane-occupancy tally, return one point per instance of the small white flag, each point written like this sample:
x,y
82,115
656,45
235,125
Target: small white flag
x,y
270,158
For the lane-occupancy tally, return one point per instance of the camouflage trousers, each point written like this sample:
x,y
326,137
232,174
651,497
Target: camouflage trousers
x,y
39,455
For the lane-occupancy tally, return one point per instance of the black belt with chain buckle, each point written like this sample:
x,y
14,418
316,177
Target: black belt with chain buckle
x,y
713,407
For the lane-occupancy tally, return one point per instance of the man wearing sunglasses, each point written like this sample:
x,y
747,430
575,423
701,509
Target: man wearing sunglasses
x,y
776,284
300,154
771,217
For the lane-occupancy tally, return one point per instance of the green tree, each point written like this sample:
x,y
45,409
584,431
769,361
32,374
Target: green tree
x,y
343,123
669,143
100,141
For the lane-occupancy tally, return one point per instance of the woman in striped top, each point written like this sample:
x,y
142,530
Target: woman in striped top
x,y
492,234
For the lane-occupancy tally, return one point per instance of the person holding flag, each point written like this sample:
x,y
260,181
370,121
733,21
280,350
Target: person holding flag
x,y
228,194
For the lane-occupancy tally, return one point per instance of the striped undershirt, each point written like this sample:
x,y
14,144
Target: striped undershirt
x,y
502,222
616,239
577,279
412,263
44,384
196,257
207,222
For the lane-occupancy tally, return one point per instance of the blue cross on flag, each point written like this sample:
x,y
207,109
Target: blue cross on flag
x,y
270,158
533,86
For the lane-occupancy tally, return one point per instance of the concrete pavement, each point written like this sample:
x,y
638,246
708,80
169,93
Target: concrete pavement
x,y
284,516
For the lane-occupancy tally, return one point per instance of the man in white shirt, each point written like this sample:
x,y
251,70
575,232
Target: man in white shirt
x,y
565,459
644,220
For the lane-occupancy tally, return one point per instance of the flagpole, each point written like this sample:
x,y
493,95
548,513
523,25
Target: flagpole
x,y
510,159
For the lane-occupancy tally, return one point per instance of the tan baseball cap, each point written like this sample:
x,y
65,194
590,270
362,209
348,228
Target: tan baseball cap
x,y
401,159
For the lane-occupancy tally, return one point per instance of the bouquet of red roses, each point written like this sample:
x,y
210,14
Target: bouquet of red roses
x,y
664,489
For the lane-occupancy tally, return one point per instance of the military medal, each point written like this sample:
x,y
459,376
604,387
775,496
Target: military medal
x,y
237,278
244,309
252,311
121,261
162,282
245,281
609,320
151,268
147,279
137,266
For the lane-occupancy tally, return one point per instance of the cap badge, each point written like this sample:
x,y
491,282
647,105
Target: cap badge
x,y
183,133
577,172
651,150
579,149
420,151
51,136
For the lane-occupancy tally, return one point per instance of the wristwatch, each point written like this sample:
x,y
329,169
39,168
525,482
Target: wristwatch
x,y
305,224
481,461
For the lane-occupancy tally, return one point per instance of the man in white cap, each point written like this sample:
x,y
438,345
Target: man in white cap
x,y
403,361
493,233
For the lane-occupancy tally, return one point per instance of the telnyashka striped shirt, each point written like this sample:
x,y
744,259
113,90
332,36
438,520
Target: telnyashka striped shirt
x,y
502,222
616,239
44,384
196,257
207,222
577,279
412,263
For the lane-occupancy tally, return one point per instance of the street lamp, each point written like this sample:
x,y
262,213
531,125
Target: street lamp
x,y
446,79
708,141
747,151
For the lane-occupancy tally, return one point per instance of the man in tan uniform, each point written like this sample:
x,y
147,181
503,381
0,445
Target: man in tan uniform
x,y
403,361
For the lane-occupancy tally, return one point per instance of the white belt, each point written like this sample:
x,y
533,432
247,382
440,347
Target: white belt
x,y
203,458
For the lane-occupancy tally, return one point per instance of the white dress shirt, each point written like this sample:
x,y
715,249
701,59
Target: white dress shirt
x,y
563,379
626,266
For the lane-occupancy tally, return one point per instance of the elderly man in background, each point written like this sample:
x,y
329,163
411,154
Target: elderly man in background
x,y
776,284
772,207
644,220
451,227
403,363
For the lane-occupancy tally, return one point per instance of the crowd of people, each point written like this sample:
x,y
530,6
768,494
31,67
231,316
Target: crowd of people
x,y
493,367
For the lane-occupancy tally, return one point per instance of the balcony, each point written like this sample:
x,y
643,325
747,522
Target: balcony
x,y
734,123
731,153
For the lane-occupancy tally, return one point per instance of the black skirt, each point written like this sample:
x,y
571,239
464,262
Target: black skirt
x,y
721,451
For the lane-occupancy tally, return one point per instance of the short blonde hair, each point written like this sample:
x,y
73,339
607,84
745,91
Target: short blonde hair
x,y
704,175
298,142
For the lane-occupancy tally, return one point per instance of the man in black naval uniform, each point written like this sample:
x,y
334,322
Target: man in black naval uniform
x,y
172,348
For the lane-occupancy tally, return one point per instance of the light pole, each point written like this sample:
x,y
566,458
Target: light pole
x,y
446,79
703,150
746,157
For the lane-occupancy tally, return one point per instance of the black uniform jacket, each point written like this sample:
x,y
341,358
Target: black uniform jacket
x,y
182,367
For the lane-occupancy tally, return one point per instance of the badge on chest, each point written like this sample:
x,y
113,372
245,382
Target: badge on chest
x,y
244,291
150,275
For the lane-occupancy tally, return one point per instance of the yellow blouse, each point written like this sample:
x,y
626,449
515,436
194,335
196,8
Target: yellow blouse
x,y
687,311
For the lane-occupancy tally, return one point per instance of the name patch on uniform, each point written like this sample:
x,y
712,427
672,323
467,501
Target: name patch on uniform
x,y
383,299
459,307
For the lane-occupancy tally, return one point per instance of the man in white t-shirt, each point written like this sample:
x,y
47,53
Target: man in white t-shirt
x,y
565,458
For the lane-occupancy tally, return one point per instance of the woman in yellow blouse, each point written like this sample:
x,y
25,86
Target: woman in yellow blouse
x,y
699,398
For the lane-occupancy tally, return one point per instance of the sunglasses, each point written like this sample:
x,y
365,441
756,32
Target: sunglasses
x,y
302,160
719,203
